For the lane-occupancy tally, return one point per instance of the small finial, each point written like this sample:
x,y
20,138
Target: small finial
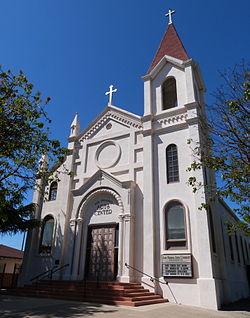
x,y
43,162
170,12
75,126
110,93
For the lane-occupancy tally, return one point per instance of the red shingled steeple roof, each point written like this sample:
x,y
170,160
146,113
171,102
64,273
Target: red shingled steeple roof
x,y
170,45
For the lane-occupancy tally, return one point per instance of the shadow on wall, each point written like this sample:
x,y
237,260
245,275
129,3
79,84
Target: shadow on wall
x,y
57,251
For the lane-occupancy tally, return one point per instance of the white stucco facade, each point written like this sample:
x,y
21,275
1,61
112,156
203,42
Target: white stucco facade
x,y
120,179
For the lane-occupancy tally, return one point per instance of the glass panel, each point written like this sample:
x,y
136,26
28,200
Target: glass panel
x,y
176,244
175,223
48,233
172,164
169,93
53,191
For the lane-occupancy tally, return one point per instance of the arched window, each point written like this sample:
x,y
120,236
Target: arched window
x,y
175,226
53,191
172,164
47,234
169,95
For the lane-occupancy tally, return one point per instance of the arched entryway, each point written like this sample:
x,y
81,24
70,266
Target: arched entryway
x,y
100,213
102,203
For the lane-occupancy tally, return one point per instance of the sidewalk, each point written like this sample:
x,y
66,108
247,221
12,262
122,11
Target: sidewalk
x,y
23,307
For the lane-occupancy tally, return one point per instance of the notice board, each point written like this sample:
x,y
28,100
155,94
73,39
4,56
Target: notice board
x,y
177,265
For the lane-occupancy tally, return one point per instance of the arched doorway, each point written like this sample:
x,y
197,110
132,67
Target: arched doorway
x,y
101,212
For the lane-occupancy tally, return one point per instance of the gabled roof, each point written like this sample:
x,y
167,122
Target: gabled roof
x,y
6,251
113,112
98,175
170,45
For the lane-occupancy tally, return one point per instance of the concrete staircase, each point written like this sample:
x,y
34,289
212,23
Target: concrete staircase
x,y
113,293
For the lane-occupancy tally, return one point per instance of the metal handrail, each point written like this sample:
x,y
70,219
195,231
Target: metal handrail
x,y
49,272
41,274
152,279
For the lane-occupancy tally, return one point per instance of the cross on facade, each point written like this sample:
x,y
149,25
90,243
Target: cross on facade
x,y
110,93
170,12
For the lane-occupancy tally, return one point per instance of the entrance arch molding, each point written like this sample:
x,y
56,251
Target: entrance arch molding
x,y
99,184
91,196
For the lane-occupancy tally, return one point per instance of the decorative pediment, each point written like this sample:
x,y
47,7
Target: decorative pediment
x,y
111,113
103,183
101,179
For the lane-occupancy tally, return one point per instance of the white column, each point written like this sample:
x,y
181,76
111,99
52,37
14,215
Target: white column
x,y
121,266
69,248
126,248
189,84
206,281
77,248
148,208
147,97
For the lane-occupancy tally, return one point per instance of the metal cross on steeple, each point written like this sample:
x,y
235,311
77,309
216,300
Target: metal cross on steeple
x,y
170,12
110,93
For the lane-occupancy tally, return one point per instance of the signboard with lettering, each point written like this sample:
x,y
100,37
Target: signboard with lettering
x,y
177,265
103,207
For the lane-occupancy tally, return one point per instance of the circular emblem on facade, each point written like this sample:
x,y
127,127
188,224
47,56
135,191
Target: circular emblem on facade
x,y
107,154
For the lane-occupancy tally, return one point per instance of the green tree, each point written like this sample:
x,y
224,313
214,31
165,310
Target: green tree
x,y
227,145
24,138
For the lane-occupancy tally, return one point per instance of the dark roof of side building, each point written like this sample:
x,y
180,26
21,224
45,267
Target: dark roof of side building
x,y
10,252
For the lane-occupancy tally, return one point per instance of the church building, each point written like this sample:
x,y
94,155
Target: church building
x,y
127,213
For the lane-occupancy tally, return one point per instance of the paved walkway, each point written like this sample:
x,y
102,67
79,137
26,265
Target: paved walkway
x,y
23,307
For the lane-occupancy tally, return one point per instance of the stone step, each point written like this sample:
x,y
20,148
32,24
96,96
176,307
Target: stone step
x,y
126,301
92,283
128,294
91,293
74,286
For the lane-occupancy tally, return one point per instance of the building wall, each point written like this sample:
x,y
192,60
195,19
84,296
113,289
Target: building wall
x,y
123,156
8,278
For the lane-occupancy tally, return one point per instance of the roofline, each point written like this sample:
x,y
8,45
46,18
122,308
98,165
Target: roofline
x,y
12,257
179,63
166,59
234,216
99,116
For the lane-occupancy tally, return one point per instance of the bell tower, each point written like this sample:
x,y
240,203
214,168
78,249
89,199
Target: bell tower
x,y
173,107
173,79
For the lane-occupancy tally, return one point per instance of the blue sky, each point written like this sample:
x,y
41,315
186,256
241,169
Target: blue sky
x,y
72,50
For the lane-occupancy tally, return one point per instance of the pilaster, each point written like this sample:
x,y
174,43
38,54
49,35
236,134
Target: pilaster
x,y
189,83
147,97
77,247
148,203
126,247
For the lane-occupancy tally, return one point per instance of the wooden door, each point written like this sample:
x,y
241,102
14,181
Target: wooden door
x,y
101,253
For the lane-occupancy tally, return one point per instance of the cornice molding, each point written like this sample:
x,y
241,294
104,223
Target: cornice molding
x,y
172,120
111,114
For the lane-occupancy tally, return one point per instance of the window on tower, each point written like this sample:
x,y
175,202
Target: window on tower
x,y
172,164
175,226
47,235
53,191
169,94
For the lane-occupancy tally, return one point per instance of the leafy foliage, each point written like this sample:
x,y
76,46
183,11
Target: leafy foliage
x,y
227,148
24,138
